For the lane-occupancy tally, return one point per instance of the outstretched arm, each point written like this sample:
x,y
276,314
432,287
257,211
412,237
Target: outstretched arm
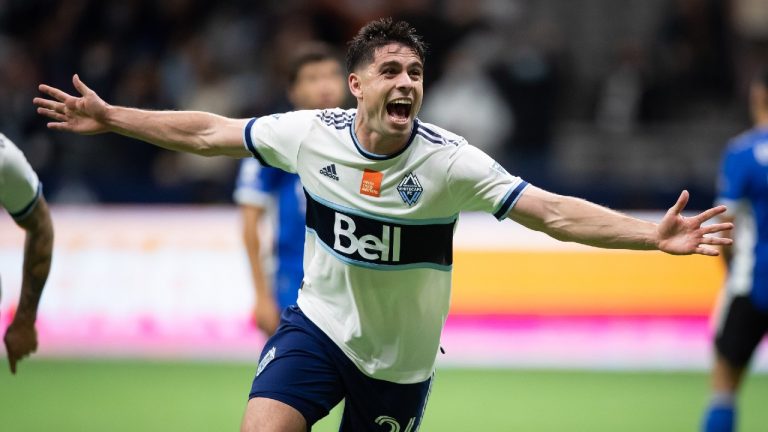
x,y
21,336
187,131
576,220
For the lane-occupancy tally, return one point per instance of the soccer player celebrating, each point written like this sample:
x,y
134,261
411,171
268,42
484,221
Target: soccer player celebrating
x,y
21,195
384,191
743,317
315,81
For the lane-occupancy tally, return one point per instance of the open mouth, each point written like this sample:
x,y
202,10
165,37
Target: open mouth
x,y
399,110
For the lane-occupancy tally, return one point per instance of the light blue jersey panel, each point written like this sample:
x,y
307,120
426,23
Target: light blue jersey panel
x,y
743,184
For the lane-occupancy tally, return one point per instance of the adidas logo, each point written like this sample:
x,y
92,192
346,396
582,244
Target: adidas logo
x,y
330,171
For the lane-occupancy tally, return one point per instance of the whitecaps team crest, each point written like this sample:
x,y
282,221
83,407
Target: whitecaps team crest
x,y
410,189
265,361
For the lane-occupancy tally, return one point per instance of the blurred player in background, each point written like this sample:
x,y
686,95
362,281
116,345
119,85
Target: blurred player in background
x,y
21,195
315,81
743,314
384,191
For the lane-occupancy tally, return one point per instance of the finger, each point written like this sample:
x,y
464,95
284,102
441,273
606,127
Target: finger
x,y
12,359
79,85
54,92
681,202
49,104
712,239
701,250
52,114
59,126
720,241
709,214
715,228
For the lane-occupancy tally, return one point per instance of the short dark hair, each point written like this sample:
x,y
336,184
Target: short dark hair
x,y
378,33
311,52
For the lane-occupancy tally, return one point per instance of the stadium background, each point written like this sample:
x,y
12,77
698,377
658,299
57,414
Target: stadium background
x,y
144,322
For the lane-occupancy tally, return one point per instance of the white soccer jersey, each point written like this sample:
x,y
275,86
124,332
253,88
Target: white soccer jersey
x,y
19,185
378,246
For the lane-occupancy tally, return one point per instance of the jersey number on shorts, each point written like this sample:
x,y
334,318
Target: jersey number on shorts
x,y
394,426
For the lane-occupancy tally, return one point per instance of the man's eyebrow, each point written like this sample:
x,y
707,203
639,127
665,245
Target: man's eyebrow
x,y
389,63
414,63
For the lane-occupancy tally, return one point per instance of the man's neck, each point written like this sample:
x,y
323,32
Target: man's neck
x,y
377,143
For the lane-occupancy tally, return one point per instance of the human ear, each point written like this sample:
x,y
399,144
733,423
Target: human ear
x,y
355,85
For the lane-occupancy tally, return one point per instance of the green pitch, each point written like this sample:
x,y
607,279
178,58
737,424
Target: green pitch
x,y
117,396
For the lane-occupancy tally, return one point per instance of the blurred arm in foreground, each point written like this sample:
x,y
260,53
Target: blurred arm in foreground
x,y
21,194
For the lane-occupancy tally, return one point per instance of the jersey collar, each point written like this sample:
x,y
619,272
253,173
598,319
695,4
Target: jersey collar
x,y
379,157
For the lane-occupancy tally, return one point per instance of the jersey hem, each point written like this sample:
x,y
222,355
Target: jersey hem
x,y
397,378
27,209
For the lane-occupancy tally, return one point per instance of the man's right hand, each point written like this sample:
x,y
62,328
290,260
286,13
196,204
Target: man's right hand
x,y
20,341
85,114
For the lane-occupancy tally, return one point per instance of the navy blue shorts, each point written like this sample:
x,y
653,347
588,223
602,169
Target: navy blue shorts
x,y
300,366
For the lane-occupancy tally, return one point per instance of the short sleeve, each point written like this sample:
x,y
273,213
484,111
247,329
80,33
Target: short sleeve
x,y
249,188
19,186
478,183
275,140
733,178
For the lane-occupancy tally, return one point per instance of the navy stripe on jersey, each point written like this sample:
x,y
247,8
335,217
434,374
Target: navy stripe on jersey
x,y
435,137
342,115
373,243
509,200
394,220
21,214
249,143
430,132
430,139
337,120
375,156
